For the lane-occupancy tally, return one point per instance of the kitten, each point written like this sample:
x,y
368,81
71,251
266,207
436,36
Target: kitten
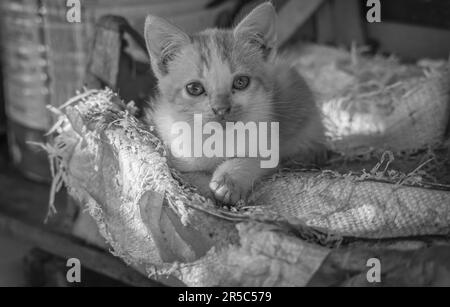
x,y
230,75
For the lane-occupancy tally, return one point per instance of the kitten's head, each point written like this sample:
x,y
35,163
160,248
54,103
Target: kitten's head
x,y
217,73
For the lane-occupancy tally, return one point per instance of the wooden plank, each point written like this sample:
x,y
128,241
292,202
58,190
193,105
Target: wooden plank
x,y
191,16
325,31
68,247
2,103
410,42
23,207
142,7
348,23
428,13
293,15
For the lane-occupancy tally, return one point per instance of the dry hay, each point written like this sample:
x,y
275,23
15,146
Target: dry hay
x,y
377,102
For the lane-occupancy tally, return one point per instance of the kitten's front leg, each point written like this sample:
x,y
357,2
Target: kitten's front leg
x,y
234,178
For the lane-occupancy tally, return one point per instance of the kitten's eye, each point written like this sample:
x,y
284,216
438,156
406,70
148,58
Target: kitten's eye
x,y
241,82
195,88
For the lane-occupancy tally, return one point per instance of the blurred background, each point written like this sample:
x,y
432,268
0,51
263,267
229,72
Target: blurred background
x,y
50,49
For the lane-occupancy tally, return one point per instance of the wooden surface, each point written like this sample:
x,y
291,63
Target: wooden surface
x,y
293,15
340,23
409,41
428,13
2,105
23,207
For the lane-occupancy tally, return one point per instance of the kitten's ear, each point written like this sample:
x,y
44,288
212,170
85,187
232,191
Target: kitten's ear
x,y
259,26
163,40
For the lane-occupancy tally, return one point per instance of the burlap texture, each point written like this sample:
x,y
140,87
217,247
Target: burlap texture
x,y
351,207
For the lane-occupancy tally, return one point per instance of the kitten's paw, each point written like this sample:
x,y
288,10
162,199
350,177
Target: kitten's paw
x,y
226,189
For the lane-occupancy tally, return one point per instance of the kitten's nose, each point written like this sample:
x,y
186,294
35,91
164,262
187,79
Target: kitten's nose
x,y
221,111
